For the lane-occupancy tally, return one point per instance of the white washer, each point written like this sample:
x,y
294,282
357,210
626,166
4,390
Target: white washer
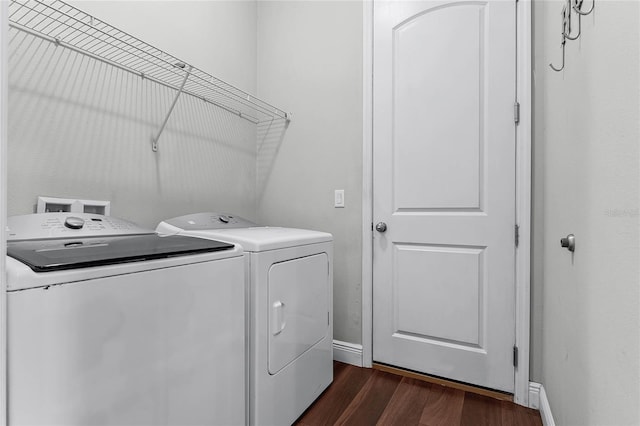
x,y
290,282
109,323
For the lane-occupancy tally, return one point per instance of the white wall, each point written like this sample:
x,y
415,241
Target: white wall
x,y
310,60
79,128
587,174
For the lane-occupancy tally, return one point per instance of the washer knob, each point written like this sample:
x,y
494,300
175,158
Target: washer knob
x,y
73,222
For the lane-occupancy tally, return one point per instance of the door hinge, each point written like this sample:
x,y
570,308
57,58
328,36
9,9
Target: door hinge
x,y
516,112
517,235
515,356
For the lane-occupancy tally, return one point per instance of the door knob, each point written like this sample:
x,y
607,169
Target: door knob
x,y
569,242
381,227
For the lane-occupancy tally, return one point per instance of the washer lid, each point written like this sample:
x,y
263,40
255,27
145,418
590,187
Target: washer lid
x,y
61,254
263,238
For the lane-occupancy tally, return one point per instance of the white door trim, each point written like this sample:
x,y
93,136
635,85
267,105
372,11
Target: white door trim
x,y
367,184
4,70
523,194
523,200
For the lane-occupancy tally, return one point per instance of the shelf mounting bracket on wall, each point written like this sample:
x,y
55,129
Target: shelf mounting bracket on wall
x,y
154,141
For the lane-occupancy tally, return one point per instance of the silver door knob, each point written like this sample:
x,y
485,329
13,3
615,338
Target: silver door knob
x,y
381,227
569,242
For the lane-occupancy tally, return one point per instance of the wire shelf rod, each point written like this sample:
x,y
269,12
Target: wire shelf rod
x,y
82,33
152,78
104,45
249,117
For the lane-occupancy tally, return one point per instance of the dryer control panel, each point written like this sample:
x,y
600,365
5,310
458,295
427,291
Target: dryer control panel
x,y
200,221
68,225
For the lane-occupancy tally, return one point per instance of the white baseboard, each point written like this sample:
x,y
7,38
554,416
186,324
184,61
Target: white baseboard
x,y
534,395
348,353
538,400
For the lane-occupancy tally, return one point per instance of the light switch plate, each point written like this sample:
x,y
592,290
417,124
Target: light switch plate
x,y
339,198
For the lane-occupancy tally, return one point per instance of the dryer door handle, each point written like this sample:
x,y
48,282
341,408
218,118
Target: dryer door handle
x,y
278,322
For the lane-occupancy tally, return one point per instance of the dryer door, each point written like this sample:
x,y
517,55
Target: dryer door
x,y
298,303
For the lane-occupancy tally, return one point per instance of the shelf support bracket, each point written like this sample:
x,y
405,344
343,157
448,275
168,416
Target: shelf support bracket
x,y
154,141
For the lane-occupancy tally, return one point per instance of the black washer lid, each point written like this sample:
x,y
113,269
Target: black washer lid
x,y
57,255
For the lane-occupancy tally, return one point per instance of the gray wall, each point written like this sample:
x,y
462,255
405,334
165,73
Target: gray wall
x,y
310,60
587,174
82,129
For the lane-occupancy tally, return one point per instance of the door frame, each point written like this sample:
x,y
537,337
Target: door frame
x,y
523,193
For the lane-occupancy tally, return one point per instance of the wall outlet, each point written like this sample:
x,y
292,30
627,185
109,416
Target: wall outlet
x,y
338,198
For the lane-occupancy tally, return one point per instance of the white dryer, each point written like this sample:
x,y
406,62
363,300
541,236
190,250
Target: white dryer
x,y
109,323
290,282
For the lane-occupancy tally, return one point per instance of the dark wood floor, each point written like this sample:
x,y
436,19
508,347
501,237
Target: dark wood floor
x,y
361,396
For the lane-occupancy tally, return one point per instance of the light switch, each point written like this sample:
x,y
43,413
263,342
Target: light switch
x,y
339,198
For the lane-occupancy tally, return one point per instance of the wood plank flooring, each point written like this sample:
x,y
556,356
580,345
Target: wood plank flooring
x,y
361,396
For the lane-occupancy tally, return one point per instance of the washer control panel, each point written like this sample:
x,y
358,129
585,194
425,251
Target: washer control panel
x,y
68,225
198,221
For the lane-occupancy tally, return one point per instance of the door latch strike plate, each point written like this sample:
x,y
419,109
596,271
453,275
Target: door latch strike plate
x,y
515,356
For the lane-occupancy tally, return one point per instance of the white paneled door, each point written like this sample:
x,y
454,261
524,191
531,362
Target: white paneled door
x,y
444,186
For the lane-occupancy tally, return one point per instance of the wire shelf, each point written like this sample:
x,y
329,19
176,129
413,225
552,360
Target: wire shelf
x,y
64,25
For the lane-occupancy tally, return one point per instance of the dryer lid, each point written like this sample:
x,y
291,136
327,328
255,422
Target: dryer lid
x,y
63,254
205,220
263,238
234,229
